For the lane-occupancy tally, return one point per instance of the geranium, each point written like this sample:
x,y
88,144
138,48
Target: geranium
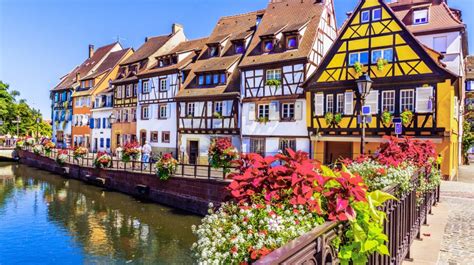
x,y
29,141
62,157
19,144
48,146
80,152
103,160
37,149
222,153
131,151
165,166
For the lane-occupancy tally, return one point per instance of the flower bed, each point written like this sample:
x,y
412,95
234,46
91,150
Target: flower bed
x,y
222,153
103,160
131,151
166,166
80,152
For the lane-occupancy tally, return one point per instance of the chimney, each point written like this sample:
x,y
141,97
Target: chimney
x,y
146,39
176,27
91,50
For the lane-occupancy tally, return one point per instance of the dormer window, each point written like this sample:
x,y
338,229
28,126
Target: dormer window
x,y
210,79
420,16
365,16
291,42
377,14
239,47
268,45
213,51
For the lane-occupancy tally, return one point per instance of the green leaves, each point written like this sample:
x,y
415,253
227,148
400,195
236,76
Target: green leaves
x,y
379,197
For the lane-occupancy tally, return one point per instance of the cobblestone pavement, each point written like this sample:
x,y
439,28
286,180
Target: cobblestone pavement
x,y
457,246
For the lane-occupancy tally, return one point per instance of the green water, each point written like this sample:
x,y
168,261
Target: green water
x,y
46,219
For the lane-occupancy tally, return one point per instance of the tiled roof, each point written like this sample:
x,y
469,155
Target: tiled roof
x,y
227,28
109,63
85,67
470,67
285,16
440,17
147,49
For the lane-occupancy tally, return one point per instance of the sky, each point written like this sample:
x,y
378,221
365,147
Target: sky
x,y
42,40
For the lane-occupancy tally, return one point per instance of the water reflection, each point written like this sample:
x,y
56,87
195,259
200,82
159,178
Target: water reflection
x,y
61,221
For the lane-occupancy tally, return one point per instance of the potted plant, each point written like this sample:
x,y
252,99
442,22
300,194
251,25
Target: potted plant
x,y
19,144
358,67
407,117
262,119
166,166
29,141
387,118
222,153
329,117
337,118
217,115
273,82
131,151
80,152
61,157
37,149
48,146
381,63
103,160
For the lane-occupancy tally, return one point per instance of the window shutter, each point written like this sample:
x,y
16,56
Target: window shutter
x,y
198,109
456,107
252,111
107,143
348,103
274,111
228,107
319,104
168,110
210,110
423,98
92,123
298,110
104,123
373,100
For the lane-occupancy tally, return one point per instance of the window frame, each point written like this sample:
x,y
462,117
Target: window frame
x,y
145,109
385,104
273,73
373,14
340,103
152,138
359,53
402,99
264,45
421,22
265,108
290,143
161,81
290,37
257,145
168,136
190,106
218,109
289,113
382,55
329,105
362,21
145,87
162,107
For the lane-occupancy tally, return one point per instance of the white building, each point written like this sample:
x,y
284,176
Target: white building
x,y
101,129
290,41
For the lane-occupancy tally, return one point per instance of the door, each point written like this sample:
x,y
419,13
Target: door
x,y
95,146
193,151
337,150
142,137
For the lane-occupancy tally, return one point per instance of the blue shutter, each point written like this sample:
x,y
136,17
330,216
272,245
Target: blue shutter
x,y
98,123
101,142
104,123
91,123
107,143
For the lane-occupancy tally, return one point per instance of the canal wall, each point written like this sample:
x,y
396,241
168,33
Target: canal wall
x,y
189,194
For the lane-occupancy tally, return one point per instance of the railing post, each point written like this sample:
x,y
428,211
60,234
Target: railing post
x,y
195,170
208,172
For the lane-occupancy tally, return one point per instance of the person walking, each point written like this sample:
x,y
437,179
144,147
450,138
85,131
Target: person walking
x,y
146,151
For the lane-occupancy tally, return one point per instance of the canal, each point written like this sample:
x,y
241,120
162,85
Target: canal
x,y
47,219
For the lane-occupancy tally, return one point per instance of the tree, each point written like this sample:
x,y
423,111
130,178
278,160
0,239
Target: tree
x,y
467,141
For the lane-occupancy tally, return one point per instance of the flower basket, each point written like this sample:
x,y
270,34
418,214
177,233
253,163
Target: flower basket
x,y
103,160
19,144
38,149
61,157
166,166
337,118
222,153
273,82
329,118
262,119
80,152
407,117
48,146
358,67
387,118
217,115
381,63
29,141
131,151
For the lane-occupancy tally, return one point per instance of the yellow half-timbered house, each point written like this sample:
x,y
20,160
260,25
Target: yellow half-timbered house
x,y
409,80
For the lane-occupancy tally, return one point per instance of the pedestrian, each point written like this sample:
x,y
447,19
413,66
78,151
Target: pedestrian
x,y
146,150
118,152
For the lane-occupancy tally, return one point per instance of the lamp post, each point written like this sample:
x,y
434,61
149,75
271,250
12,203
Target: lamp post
x,y
38,120
364,85
17,121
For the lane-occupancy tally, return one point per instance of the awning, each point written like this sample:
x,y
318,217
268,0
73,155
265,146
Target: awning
x,y
436,140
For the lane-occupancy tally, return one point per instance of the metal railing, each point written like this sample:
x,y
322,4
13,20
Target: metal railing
x,y
402,226
136,166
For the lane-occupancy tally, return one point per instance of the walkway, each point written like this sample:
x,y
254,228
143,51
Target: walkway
x,y
449,239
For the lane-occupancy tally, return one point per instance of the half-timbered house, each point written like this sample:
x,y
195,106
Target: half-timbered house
x,y
289,44
126,83
208,102
158,87
409,81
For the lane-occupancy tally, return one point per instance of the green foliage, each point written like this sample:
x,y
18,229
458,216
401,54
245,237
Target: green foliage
x,y
337,118
467,140
381,63
11,108
262,119
273,82
329,117
407,117
387,118
358,67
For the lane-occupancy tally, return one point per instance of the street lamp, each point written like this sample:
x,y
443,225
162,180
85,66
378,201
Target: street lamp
x,y
38,120
364,85
17,121
112,119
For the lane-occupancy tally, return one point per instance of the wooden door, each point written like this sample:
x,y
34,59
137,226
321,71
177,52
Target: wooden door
x,y
142,137
337,150
193,151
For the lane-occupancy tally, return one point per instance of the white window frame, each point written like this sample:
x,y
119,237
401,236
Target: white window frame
x,y
362,15
373,12
358,57
163,111
145,87
330,103
407,100
128,91
190,109
263,111
163,84
119,91
218,107
146,112
382,54
390,105
273,74
287,112
422,19
445,43
340,103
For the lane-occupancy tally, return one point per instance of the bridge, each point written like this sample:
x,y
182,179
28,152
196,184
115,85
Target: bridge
x,y
7,154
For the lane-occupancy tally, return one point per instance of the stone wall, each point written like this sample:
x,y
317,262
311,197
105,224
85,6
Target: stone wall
x,y
188,194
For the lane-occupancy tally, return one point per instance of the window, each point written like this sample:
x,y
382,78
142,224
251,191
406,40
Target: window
x,y
101,142
165,137
163,84
145,88
361,57
365,16
213,51
145,113
239,47
407,100
215,79
330,103
135,90
273,74
154,136
264,111
376,14
208,79
201,80
162,111
268,45
292,42
440,44
340,103
287,143
257,146
288,111
190,110
386,54
218,107
134,114
388,101
128,91
223,78
125,115
420,16
119,91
